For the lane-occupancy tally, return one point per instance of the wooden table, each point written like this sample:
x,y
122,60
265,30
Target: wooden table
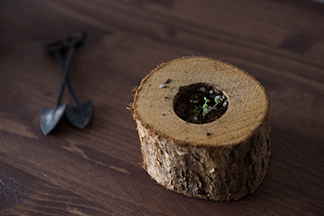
x,y
97,170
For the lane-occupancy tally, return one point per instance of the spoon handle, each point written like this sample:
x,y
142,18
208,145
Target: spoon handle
x,y
68,82
65,75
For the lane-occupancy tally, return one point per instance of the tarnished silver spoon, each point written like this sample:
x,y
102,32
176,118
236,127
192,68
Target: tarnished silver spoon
x,y
80,114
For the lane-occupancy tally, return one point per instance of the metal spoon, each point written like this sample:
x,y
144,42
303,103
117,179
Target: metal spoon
x,y
51,116
80,114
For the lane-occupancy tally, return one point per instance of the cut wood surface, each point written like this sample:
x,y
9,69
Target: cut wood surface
x,y
248,108
97,170
221,160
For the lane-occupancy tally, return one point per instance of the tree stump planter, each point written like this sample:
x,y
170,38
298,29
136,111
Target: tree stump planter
x,y
224,159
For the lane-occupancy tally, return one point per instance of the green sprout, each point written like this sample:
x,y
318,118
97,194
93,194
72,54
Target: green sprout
x,y
196,110
205,108
216,102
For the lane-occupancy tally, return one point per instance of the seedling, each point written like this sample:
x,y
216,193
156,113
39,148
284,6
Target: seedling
x,y
200,103
197,109
217,101
205,108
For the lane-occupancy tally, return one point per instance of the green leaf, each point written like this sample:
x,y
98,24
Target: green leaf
x,y
207,100
196,110
205,112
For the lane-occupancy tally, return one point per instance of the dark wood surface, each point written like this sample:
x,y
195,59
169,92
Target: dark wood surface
x,y
97,170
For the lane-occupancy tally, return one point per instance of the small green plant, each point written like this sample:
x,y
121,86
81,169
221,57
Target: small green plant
x,y
197,110
217,101
205,108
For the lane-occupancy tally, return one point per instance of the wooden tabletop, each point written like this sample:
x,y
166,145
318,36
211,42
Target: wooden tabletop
x,y
97,170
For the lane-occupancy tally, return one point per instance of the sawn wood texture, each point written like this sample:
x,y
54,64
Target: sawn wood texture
x,y
221,160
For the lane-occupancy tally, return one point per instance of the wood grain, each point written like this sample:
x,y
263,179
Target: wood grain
x,y
228,163
97,171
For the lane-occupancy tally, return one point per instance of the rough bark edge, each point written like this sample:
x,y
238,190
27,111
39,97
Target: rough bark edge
x,y
218,173
136,117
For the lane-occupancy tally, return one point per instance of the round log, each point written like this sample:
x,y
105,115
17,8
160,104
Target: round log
x,y
225,159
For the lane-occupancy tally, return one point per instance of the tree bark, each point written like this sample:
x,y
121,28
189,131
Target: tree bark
x,y
222,160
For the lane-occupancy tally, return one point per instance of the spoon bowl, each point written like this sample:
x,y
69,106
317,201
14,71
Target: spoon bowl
x,y
79,115
50,117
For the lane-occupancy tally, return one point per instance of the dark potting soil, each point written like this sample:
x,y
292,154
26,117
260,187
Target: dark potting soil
x,y
200,103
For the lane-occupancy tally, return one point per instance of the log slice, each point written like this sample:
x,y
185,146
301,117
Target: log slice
x,y
222,160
